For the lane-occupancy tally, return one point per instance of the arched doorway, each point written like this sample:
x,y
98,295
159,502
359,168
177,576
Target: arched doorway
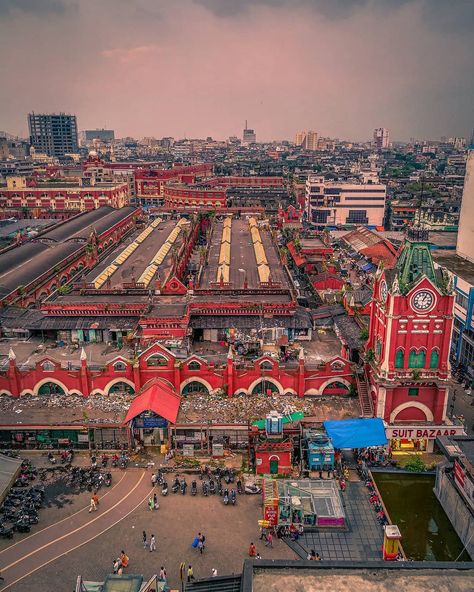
x,y
50,388
194,387
121,388
263,386
336,388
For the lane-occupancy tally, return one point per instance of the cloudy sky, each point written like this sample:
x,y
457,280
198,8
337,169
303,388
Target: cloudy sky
x,y
201,67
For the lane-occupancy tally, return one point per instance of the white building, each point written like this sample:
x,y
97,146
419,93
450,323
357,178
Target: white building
x,y
465,247
381,138
336,203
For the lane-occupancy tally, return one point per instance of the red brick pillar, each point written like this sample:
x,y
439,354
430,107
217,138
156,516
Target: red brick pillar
x,y
13,375
301,386
230,372
84,375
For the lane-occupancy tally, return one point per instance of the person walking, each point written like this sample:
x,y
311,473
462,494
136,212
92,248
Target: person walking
x,y
151,505
144,539
153,480
124,559
96,499
156,505
269,542
190,574
162,576
252,550
152,543
93,506
213,572
263,533
258,556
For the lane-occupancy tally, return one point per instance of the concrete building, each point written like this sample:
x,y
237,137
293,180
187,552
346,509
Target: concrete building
x,y
336,203
381,138
307,140
105,135
53,134
465,247
248,136
461,264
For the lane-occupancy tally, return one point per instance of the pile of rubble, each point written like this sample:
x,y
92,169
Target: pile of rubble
x,y
94,408
238,409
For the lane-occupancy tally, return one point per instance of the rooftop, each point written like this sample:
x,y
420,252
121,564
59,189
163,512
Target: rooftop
x,y
456,264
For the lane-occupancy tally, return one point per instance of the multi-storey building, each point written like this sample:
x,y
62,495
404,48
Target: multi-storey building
x,y
249,136
381,138
407,351
53,134
307,140
73,197
336,203
104,135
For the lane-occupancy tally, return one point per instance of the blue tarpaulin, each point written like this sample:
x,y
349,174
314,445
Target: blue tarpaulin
x,y
356,433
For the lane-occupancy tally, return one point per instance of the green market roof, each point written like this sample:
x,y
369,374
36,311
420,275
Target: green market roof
x,y
416,261
296,416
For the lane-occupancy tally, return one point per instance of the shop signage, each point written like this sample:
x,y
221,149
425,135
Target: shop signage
x,y
429,432
151,422
83,437
271,514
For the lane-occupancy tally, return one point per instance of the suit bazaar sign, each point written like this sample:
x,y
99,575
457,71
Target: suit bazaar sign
x,y
431,433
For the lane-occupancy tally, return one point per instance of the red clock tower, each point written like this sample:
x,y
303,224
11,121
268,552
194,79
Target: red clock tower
x,y
407,351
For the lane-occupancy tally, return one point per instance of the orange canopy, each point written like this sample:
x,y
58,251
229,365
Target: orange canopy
x,y
158,398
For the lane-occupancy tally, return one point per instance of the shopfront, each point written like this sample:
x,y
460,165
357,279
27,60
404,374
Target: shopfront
x,y
150,429
418,438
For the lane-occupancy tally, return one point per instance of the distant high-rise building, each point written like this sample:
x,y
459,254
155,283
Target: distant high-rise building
x,y
381,138
249,136
307,140
53,134
104,135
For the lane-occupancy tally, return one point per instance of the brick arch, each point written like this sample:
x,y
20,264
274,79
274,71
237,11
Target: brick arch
x,y
110,384
209,387
266,379
55,381
426,410
5,392
332,381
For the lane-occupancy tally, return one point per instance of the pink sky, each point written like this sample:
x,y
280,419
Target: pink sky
x,y
199,68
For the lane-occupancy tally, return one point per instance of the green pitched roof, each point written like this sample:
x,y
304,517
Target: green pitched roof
x,y
415,260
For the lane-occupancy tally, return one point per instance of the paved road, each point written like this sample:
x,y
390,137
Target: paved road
x,y
45,546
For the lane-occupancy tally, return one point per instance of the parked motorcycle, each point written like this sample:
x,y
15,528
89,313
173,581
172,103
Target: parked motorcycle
x,y
252,489
233,496
240,489
193,488
205,488
175,486
183,486
108,479
164,488
51,458
6,532
212,487
226,497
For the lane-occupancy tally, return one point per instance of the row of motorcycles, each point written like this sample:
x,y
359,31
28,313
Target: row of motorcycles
x,y
19,509
91,479
211,486
120,461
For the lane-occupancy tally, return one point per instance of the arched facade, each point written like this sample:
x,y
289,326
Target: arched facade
x,y
266,379
422,407
197,379
115,381
51,380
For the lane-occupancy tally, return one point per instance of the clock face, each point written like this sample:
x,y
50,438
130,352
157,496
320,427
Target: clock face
x,y
383,290
422,300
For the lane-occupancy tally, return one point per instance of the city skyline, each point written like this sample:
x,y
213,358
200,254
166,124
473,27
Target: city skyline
x,y
202,67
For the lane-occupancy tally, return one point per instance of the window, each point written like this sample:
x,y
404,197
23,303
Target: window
x,y
266,366
120,367
194,365
357,217
413,392
417,360
157,360
434,359
461,300
378,347
48,366
399,359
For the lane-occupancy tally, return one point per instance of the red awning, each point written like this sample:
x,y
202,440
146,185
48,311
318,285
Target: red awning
x,y
158,398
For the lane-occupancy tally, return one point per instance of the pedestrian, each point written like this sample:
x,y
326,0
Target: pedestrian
x,y
93,506
213,572
252,550
153,480
318,557
190,573
162,576
144,539
200,546
151,503
269,542
258,556
117,565
124,559
152,543
263,533
96,499
311,555
156,505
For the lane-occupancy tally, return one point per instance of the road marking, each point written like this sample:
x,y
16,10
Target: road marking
x,y
63,520
7,567
81,544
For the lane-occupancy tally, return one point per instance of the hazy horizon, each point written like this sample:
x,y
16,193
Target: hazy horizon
x,y
199,68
